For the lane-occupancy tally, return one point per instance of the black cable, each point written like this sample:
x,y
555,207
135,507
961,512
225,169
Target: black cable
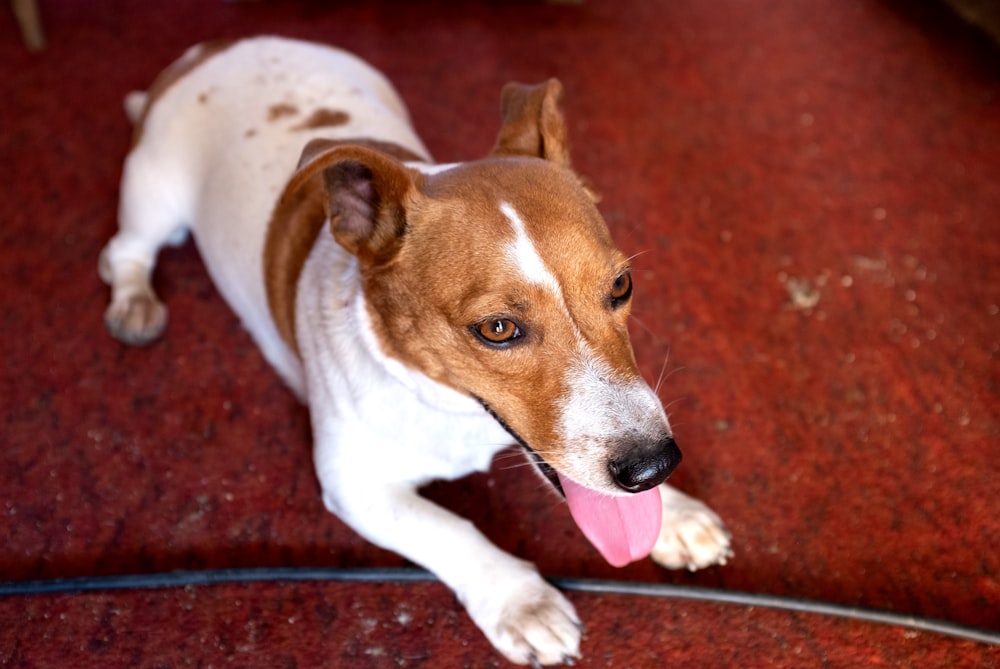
x,y
782,603
181,579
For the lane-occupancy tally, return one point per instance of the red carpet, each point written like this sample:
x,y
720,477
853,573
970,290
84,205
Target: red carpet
x,y
814,189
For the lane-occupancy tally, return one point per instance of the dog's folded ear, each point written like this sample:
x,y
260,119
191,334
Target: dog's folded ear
x,y
366,191
533,123
362,190
367,194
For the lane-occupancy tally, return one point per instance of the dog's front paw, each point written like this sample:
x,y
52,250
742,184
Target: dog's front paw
x,y
533,623
692,535
137,319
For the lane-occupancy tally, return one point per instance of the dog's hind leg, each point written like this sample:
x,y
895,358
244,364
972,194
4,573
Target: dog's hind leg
x,y
148,219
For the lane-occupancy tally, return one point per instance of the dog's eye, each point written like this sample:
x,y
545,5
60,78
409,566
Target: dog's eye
x,y
621,289
497,331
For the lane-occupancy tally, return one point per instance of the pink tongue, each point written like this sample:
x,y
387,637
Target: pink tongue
x,y
622,528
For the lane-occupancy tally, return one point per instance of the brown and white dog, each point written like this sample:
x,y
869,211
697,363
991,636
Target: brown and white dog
x,y
428,314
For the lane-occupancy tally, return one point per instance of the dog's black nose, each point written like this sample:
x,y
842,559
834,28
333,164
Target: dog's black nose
x,y
642,468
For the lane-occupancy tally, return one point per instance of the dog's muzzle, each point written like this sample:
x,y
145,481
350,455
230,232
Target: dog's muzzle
x,y
642,467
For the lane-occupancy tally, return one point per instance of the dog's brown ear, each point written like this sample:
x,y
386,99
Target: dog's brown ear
x,y
362,192
533,124
366,192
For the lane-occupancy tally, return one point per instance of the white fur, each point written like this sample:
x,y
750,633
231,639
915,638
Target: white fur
x,y
525,257
600,409
214,155
427,168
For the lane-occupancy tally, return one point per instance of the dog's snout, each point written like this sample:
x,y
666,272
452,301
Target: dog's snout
x,y
643,468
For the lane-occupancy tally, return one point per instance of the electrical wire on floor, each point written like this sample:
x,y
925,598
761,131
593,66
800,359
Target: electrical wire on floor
x,y
182,579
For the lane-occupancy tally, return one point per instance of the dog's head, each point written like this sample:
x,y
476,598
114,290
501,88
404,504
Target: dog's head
x,y
499,279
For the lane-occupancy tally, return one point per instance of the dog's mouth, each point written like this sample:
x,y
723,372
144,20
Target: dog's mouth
x,y
624,528
544,468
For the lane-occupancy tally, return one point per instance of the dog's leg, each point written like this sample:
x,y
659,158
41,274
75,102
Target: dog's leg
x,y
692,535
525,618
146,222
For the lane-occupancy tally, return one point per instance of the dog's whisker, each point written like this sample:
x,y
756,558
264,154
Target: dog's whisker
x,y
663,369
515,459
507,455
665,377
636,255
515,465
641,323
671,403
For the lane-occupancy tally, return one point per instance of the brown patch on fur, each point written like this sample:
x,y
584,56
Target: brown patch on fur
x,y
324,118
275,112
173,72
298,218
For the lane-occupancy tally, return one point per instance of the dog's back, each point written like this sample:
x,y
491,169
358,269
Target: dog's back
x,y
228,115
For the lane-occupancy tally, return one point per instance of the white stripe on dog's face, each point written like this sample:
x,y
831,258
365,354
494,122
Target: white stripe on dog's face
x,y
525,256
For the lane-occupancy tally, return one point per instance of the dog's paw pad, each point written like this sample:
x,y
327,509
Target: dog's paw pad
x,y
692,537
137,319
538,626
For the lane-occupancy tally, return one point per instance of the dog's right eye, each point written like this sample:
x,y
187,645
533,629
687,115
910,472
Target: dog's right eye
x,y
497,331
621,289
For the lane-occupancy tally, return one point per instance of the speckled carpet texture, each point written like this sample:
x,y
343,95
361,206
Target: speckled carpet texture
x,y
812,194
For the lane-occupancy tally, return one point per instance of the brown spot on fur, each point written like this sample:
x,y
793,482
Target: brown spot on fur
x,y
250,133
275,112
175,71
203,98
323,118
